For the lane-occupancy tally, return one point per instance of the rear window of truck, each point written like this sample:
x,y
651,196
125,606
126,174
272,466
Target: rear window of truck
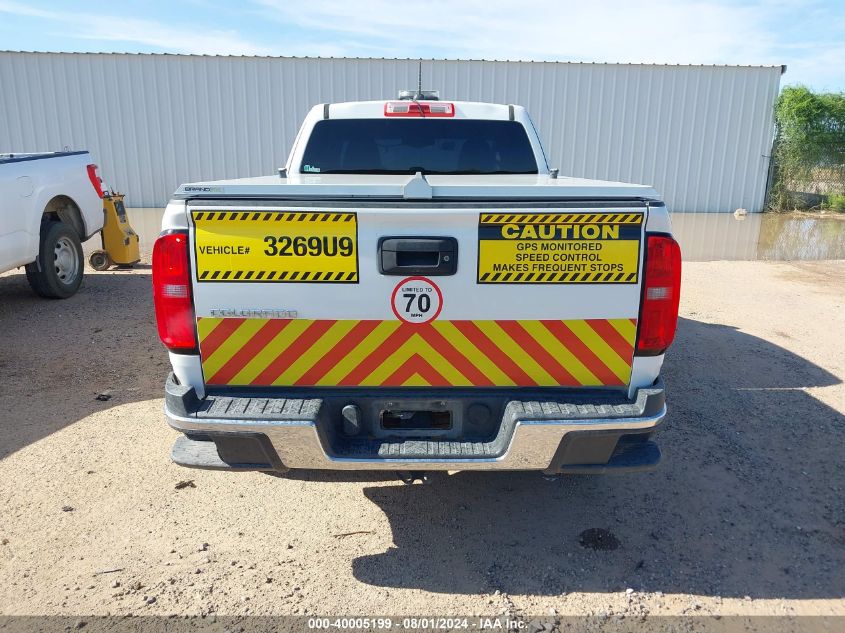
x,y
432,146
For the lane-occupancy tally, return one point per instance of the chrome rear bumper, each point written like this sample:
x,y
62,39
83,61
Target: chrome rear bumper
x,y
548,435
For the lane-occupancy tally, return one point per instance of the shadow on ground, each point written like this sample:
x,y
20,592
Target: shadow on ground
x,y
57,356
748,500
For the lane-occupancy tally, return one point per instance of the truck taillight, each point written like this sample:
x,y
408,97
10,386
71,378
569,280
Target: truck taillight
x,y
172,292
661,294
96,182
419,109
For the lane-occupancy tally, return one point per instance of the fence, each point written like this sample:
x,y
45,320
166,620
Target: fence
x,y
809,152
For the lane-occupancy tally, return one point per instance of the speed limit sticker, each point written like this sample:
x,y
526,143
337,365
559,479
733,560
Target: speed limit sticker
x,y
417,300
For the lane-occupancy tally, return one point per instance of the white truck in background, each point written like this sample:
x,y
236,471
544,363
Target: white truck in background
x,y
416,291
49,204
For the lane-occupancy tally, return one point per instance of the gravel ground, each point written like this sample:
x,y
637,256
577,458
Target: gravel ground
x,y
746,515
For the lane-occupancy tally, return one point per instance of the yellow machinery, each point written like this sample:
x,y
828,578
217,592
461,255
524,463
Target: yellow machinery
x,y
120,242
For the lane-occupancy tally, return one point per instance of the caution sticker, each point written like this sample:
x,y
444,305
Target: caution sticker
x,y
276,246
559,248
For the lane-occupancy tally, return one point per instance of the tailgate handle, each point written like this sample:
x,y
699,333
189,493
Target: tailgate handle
x,y
417,255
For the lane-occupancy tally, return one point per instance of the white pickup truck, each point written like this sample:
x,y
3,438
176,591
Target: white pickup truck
x,y
416,291
49,204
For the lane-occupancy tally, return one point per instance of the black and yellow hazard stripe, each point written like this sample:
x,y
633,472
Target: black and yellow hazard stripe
x,y
276,275
272,216
572,278
561,218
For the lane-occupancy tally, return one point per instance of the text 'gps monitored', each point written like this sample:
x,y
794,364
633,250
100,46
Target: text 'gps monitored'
x,y
561,248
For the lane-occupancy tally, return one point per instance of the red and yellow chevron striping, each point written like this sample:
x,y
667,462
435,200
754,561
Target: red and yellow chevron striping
x,y
305,352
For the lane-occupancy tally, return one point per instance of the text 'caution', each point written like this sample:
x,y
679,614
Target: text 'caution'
x,y
559,248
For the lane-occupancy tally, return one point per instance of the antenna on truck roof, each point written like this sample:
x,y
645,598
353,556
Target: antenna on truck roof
x,y
419,94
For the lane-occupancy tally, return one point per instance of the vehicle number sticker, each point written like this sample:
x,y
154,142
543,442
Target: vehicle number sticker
x,y
559,248
417,300
276,246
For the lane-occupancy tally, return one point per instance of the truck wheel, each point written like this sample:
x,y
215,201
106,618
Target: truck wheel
x,y
57,273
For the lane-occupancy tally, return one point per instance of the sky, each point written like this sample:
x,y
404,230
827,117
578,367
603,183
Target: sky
x,y
808,36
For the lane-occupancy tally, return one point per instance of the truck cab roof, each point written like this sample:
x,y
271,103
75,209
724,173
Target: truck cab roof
x,y
376,109
417,150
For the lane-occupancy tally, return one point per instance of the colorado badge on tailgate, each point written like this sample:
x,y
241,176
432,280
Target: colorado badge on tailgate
x,y
276,246
559,248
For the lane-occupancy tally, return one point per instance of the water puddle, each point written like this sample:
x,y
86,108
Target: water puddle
x,y
703,236
768,236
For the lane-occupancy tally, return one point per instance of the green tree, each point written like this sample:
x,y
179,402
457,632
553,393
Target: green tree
x,y
809,147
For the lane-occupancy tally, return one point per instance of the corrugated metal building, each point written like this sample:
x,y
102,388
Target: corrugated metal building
x,y
700,134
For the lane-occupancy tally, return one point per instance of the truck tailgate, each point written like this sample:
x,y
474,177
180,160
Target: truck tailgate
x,y
416,294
